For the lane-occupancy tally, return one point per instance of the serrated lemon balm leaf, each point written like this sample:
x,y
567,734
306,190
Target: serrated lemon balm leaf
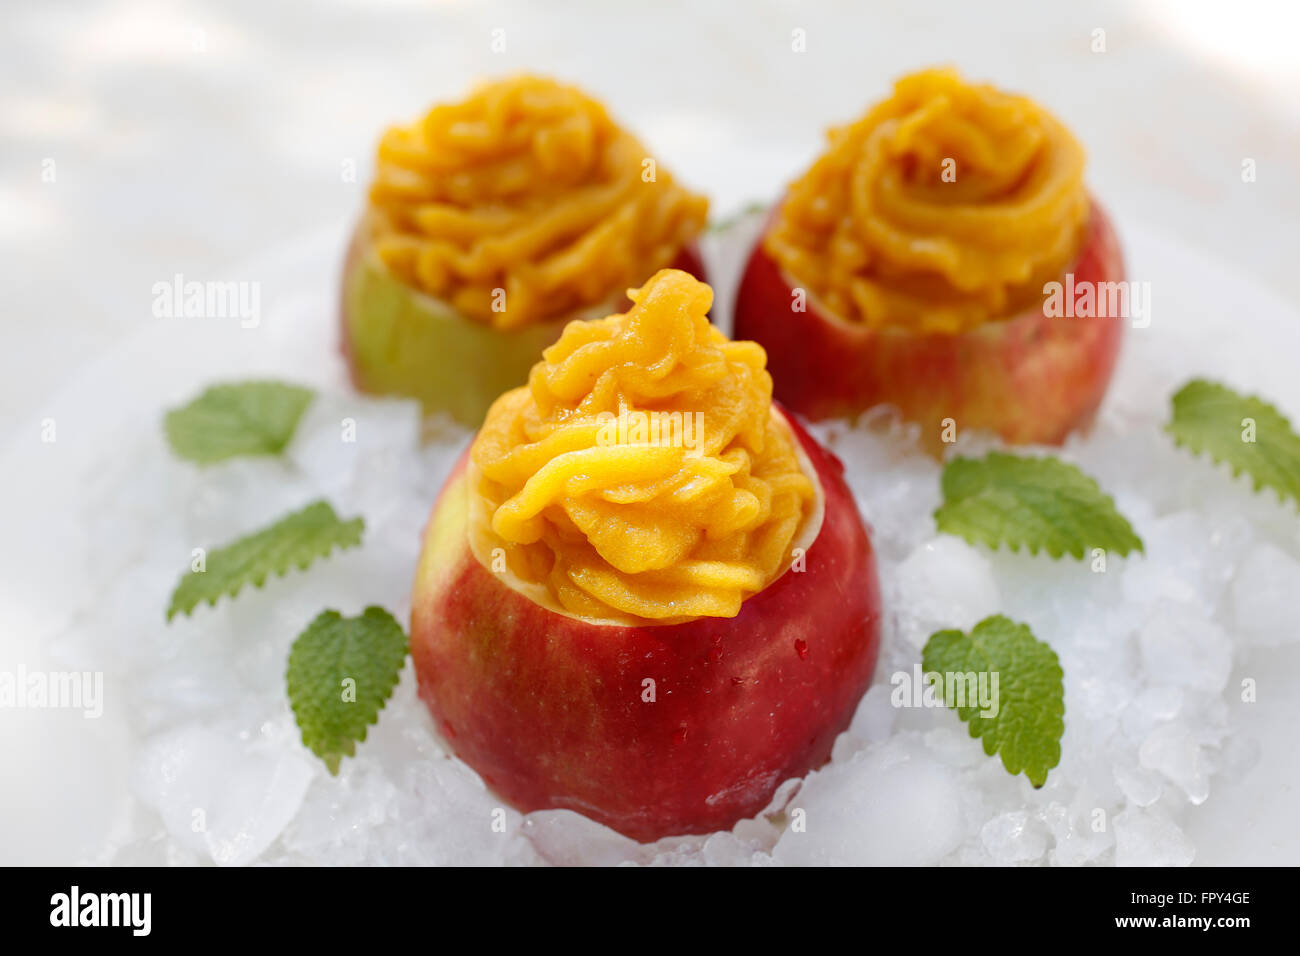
x,y
296,540
229,421
341,673
1036,503
1244,431
1028,719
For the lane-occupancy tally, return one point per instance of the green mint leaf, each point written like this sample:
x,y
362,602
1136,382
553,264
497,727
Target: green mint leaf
x,y
296,540
1036,502
227,421
1246,432
1029,696
342,670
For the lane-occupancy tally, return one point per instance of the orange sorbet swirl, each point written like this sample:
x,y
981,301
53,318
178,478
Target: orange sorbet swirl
x,y
947,206
642,474
523,203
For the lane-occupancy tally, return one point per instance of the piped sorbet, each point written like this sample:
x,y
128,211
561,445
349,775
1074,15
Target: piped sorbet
x,y
948,205
523,203
643,473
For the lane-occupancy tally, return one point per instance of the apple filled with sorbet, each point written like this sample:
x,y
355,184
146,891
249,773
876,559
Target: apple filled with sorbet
x,y
491,224
910,266
646,593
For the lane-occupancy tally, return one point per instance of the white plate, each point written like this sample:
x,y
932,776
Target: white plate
x,y
66,777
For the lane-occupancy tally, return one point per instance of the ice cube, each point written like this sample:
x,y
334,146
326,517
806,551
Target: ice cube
x,y
1080,846
1149,708
954,747
565,838
339,813
874,719
222,791
1173,751
892,805
1181,646
1147,837
1139,785
944,583
1013,837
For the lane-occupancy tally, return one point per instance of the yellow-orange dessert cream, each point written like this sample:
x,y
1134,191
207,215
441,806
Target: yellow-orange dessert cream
x,y
642,475
523,203
948,205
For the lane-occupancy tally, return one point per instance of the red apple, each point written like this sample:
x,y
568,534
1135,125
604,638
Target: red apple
x,y
398,340
1030,377
655,729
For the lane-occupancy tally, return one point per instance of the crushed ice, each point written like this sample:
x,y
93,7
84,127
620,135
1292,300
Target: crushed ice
x,y
1147,646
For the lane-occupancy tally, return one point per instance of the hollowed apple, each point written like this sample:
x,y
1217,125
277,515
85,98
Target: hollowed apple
x,y
398,340
1031,378
656,729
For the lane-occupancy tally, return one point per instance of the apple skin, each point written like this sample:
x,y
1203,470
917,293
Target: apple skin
x,y
1031,379
399,341
549,709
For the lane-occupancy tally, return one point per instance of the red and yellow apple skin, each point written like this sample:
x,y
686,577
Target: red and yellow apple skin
x,y
1031,378
658,729
398,340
